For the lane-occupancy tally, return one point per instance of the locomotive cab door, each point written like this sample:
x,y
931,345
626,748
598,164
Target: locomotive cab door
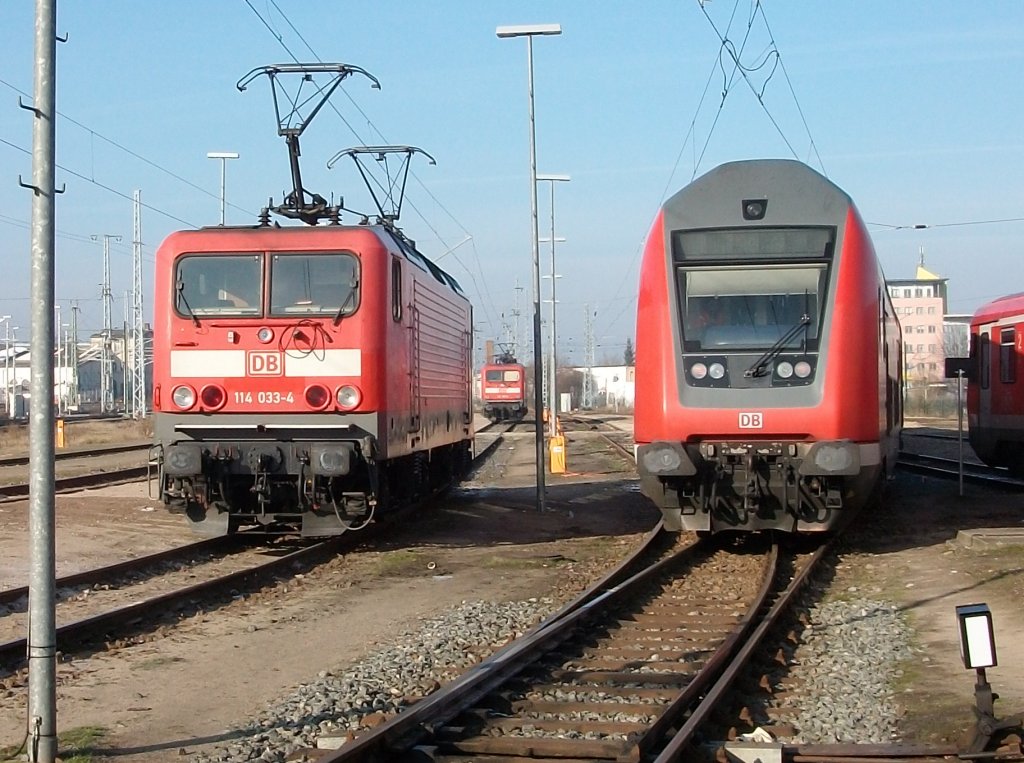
x,y
984,376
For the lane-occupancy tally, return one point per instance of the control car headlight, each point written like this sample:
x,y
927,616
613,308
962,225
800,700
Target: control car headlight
x,y
784,369
698,371
802,369
716,370
839,457
664,459
659,460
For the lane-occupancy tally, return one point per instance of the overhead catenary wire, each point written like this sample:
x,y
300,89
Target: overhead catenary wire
x,y
690,134
121,147
726,45
926,226
482,287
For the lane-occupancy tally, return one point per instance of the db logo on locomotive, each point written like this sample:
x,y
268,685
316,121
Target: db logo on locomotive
x,y
263,364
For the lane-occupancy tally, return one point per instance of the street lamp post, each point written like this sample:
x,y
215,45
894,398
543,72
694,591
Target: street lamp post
x,y
553,382
529,31
223,156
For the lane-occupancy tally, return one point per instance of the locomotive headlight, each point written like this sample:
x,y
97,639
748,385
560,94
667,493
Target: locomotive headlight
x,y
802,369
331,460
184,397
716,370
348,397
698,370
784,369
265,334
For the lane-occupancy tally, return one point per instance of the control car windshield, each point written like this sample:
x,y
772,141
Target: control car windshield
x,y
760,366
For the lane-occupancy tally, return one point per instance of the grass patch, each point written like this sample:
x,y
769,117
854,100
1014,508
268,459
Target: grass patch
x,y
76,745
404,564
73,746
500,562
158,662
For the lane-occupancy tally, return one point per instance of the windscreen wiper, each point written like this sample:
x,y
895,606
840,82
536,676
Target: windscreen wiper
x,y
760,366
181,294
349,298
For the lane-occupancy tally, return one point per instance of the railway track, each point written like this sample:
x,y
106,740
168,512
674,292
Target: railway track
x,y
116,611
85,453
108,617
949,468
77,469
629,670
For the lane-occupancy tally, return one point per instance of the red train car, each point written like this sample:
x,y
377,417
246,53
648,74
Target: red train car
x,y
995,396
304,376
768,355
503,390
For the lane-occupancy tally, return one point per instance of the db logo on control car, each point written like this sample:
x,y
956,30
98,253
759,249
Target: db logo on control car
x,y
264,364
751,420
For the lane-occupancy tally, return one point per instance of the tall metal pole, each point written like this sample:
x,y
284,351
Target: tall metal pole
x,y
42,632
107,297
538,360
138,373
73,399
56,350
553,374
223,156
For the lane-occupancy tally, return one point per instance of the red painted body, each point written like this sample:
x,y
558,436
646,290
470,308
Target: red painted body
x,y
850,406
995,394
375,363
503,391
747,443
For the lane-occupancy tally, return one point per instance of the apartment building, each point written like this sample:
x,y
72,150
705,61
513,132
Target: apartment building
x,y
920,305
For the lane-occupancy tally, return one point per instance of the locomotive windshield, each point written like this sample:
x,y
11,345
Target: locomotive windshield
x,y
747,289
227,284
314,284
501,375
300,284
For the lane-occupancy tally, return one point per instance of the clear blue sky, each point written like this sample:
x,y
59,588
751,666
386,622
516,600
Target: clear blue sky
x,y
915,109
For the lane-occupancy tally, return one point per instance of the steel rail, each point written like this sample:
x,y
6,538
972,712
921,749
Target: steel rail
x,y
88,577
78,631
18,492
430,714
678,746
91,451
948,468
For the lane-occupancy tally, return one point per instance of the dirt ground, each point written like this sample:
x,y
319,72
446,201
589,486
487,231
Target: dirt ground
x,y
487,541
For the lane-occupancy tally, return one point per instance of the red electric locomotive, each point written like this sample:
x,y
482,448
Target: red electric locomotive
x,y
503,389
995,396
306,375
768,355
